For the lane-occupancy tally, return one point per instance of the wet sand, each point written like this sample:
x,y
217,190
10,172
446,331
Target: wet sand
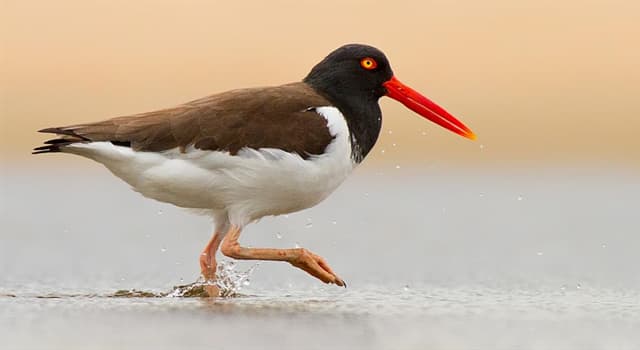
x,y
435,258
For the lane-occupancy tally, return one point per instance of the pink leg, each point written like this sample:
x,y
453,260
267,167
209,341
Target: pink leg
x,y
208,263
299,257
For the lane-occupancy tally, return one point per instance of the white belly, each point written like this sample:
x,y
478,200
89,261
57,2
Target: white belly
x,y
243,187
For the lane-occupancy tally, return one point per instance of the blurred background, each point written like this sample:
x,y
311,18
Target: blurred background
x,y
541,82
526,238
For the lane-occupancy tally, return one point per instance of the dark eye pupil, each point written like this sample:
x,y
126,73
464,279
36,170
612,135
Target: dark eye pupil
x,y
368,63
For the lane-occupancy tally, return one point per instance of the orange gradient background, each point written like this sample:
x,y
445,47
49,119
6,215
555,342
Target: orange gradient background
x,y
539,82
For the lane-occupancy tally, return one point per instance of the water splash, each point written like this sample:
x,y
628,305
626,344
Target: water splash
x,y
228,280
196,289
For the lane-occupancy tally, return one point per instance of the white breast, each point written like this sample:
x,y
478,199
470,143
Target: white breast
x,y
240,188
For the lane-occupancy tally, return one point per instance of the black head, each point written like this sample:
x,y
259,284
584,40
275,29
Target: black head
x,y
352,70
354,77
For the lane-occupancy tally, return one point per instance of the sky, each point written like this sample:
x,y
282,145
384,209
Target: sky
x,y
540,82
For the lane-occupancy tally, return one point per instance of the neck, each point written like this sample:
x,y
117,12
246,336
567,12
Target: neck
x,y
360,110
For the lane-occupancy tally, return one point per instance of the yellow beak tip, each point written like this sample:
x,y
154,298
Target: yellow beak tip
x,y
471,136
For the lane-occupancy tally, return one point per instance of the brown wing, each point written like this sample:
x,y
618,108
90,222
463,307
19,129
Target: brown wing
x,y
273,117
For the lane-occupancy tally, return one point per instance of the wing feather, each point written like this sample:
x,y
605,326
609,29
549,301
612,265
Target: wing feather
x,y
273,117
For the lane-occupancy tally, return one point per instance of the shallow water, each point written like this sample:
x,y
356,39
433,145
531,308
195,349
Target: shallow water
x,y
362,318
442,259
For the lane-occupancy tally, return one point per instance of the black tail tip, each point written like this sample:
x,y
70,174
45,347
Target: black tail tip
x,y
46,149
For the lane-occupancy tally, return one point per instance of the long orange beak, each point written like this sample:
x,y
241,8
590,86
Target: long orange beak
x,y
425,107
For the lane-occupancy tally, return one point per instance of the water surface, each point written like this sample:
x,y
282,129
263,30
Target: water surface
x,y
442,259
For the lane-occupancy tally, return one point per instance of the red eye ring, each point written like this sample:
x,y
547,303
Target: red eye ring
x,y
368,63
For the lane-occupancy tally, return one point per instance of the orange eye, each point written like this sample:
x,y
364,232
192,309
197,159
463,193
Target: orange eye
x,y
368,63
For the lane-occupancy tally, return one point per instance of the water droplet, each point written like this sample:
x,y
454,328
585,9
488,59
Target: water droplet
x,y
229,280
540,253
424,133
163,249
405,288
297,245
159,212
397,167
578,285
604,245
181,280
390,132
382,151
481,195
393,145
278,235
366,194
334,222
481,147
520,198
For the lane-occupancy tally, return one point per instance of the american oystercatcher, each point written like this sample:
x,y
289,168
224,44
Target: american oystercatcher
x,y
244,154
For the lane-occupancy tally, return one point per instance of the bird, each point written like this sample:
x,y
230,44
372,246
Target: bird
x,y
244,154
